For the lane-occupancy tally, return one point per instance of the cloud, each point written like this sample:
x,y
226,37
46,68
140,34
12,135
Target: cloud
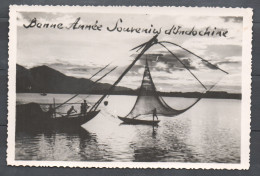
x,y
233,19
21,19
83,53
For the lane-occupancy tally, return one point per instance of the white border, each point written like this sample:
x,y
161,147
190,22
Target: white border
x,y
210,11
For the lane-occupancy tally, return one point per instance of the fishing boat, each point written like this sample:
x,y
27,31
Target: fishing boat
x,y
49,115
72,120
138,121
32,115
149,101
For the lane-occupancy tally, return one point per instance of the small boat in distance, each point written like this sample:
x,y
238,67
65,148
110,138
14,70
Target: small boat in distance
x,y
43,94
138,121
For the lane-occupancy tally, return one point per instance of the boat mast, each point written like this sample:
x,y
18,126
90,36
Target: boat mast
x,y
145,47
54,107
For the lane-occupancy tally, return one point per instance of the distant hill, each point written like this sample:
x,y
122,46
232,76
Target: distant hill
x,y
45,79
24,79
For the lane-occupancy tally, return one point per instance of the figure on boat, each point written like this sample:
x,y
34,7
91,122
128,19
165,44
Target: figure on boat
x,y
51,111
71,110
155,114
84,107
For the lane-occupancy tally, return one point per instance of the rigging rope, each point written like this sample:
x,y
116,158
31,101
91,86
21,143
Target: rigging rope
x,y
183,65
100,71
145,47
149,99
195,55
92,86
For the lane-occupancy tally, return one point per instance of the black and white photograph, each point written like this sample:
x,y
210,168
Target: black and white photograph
x,y
137,87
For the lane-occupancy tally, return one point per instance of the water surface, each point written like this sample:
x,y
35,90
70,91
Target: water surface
x,y
208,132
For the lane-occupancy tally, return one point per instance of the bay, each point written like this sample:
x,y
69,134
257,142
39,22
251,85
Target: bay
x,y
208,132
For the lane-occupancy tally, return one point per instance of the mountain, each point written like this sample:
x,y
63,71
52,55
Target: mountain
x,y
45,79
24,79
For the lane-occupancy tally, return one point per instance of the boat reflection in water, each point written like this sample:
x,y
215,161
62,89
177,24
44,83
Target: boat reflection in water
x,y
72,144
213,136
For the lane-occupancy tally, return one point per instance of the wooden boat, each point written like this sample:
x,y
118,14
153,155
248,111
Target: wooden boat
x,y
31,115
72,120
138,121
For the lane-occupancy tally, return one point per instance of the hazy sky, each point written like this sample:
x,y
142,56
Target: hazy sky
x,y
81,53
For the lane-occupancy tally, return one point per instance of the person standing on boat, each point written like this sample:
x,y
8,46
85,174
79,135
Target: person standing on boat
x,y
85,107
155,114
70,110
81,108
51,111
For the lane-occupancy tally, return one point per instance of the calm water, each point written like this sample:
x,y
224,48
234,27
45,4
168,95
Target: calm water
x,y
208,132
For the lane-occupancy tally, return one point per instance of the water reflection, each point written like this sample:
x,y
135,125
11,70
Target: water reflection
x,y
64,144
154,131
161,146
209,132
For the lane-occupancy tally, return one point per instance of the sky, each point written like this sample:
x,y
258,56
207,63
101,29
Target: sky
x,y
81,53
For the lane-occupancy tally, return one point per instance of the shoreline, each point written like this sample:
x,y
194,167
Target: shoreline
x,y
212,95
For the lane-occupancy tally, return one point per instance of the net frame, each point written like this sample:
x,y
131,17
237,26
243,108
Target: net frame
x,y
164,109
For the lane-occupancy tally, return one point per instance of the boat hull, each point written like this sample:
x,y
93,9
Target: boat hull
x,y
31,116
76,120
138,121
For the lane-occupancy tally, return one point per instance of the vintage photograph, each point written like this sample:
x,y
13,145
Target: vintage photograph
x,y
145,87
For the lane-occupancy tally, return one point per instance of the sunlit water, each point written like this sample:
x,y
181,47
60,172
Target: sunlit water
x,y
208,132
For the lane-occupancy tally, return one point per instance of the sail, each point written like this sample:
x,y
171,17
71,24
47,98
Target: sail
x,y
148,99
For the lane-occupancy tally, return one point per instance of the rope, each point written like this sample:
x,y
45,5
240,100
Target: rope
x,y
195,55
145,47
96,82
92,86
183,65
100,71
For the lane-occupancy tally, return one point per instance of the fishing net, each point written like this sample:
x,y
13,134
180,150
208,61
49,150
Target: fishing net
x,y
148,100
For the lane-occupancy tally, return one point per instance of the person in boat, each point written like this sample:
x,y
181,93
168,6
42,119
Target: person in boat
x,y
51,111
85,107
81,108
155,114
70,110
